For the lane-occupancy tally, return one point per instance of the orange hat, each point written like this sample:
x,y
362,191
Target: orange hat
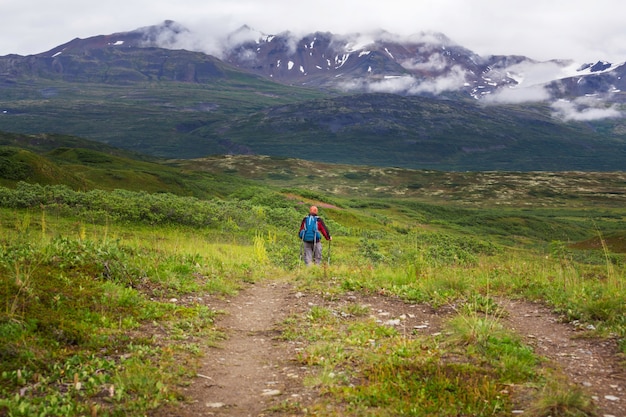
x,y
313,210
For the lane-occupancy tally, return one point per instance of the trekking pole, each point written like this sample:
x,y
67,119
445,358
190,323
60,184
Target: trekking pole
x,y
330,245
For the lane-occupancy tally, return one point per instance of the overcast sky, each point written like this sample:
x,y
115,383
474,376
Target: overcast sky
x,y
586,31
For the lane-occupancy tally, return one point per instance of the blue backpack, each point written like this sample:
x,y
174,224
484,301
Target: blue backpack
x,y
310,233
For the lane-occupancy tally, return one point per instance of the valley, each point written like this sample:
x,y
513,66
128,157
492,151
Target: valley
x,y
150,198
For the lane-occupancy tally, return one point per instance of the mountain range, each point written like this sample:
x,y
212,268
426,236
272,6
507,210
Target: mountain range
x,y
377,98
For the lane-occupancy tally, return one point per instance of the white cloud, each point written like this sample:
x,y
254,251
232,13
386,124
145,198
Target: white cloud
x,y
392,85
584,109
435,62
517,95
410,85
451,82
528,74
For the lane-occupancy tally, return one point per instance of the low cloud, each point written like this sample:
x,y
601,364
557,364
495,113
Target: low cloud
x,y
529,73
172,35
516,95
393,85
453,81
409,85
436,62
584,109
398,85
580,109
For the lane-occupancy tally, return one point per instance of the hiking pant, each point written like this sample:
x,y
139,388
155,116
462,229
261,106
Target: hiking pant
x,y
312,252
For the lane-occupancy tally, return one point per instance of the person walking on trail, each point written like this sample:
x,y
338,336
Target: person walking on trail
x,y
311,231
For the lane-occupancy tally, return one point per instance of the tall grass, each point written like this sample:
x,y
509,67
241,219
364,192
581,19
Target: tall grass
x,y
474,340
92,295
91,305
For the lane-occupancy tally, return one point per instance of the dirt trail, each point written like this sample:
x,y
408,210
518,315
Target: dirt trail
x,y
589,363
253,373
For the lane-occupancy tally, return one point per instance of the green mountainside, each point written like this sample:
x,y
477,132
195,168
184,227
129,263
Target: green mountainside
x,y
181,104
146,100
419,132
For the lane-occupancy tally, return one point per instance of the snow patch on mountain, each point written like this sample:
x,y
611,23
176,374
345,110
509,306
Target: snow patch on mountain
x,y
378,61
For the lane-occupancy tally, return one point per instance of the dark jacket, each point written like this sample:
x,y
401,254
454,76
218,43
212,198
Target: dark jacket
x,y
321,227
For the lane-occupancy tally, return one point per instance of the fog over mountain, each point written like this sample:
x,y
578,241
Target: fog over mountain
x,y
577,29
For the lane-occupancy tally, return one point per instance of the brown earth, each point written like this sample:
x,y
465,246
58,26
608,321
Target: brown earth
x,y
254,373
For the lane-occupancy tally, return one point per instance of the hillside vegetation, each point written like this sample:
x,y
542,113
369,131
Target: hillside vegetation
x,y
419,132
142,115
106,258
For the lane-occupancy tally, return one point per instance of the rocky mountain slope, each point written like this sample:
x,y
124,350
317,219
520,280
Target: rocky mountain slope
x,y
425,63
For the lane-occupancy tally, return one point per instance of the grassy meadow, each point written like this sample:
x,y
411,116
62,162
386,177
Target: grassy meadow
x,y
101,290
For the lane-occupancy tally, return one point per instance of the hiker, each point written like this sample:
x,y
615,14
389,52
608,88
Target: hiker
x,y
311,231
